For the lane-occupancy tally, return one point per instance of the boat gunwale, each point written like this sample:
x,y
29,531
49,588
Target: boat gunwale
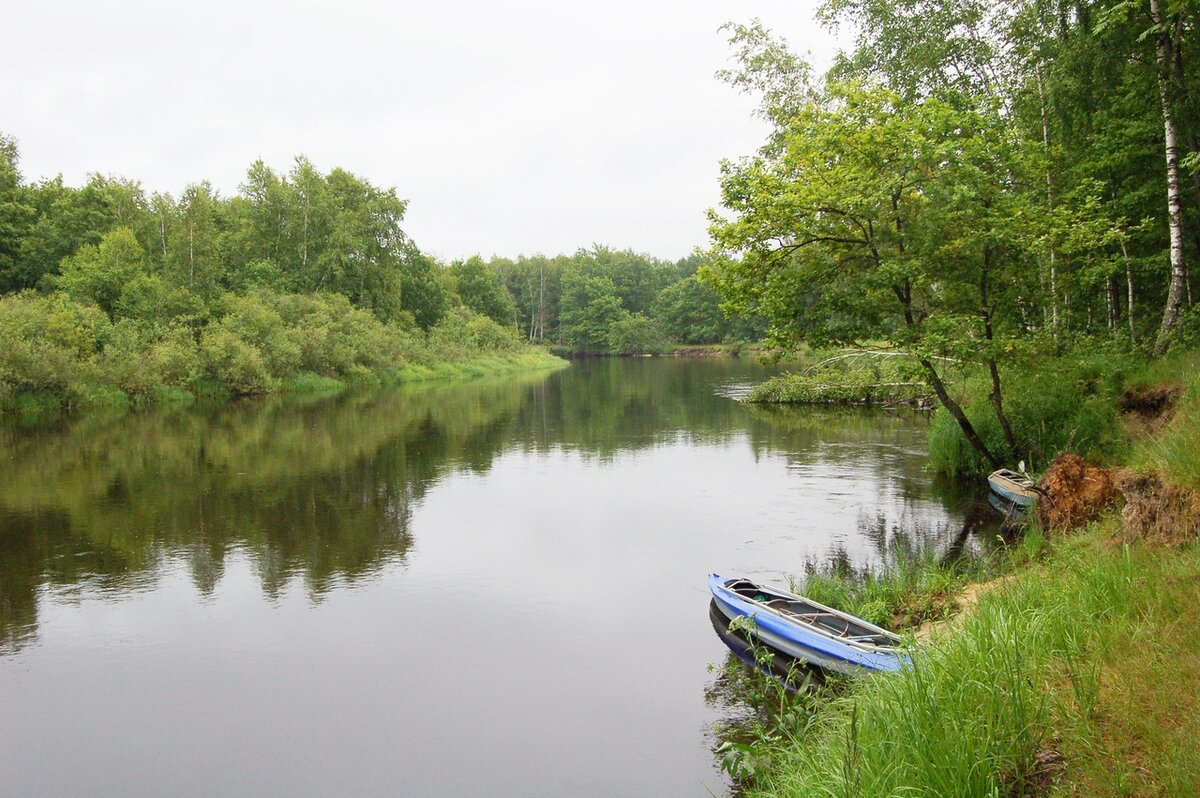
x,y
1012,481
809,626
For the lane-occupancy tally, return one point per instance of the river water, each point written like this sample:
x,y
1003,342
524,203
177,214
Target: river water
x,y
490,588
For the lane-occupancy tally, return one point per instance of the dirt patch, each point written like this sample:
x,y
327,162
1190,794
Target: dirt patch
x,y
1074,492
1148,409
968,598
1156,511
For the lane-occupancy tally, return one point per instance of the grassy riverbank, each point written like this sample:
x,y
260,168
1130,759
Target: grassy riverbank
x,y
845,377
58,353
1064,680
1070,676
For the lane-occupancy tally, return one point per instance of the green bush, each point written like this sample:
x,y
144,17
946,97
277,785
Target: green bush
x,y
635,334
234,362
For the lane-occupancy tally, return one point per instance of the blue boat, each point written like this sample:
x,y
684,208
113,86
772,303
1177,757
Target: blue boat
x,y
805,630
1013,486
788,671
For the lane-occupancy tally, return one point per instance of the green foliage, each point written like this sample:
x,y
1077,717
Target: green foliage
x,y
16,215
142,360
47,343
480,289
1064,404
300,282
846,379
101,274
690,312
590,306
635,334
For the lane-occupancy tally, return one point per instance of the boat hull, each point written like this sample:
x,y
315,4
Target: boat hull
x,y
788,671
1012,490
799,642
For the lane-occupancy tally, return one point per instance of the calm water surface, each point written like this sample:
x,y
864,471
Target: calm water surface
x,y
495,588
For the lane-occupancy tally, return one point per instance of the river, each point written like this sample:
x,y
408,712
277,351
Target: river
x,y
486,588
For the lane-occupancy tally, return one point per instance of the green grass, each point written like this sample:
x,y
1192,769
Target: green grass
x,y
29,406
1175,449
844,378
479,366
1059,680
910,590
1067,404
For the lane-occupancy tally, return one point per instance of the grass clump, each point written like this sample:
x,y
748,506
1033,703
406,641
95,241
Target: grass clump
x,y
846,378
1174,450
912,589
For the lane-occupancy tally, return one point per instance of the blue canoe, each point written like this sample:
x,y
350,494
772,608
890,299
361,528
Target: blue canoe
x,y
805,630
1015,487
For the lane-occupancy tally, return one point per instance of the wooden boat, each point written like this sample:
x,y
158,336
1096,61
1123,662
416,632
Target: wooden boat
x,y
1017,488
1012,513
805,630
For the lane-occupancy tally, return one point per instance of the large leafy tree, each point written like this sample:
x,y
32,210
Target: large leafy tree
x,y
16,215
870,217
590,306
101,273
690,311
481,290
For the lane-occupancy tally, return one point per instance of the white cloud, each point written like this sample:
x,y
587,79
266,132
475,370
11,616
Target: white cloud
x,y
512,127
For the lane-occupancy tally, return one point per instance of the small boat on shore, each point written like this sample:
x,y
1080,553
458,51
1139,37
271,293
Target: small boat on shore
x,y
806,630
1013,486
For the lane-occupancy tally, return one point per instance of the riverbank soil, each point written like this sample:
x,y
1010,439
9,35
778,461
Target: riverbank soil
x,y
1148,409
1074,492
1157,511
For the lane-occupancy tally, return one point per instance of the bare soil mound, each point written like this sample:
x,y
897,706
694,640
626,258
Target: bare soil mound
x,y
1150,407
1157,511
1074,492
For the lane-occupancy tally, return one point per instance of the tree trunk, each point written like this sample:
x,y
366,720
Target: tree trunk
x,y
904,294
1110,295
1129,297
939,388
1163,46
996,396
1049,202
191,255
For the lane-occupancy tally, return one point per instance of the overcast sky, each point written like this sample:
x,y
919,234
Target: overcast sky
x,y
515,127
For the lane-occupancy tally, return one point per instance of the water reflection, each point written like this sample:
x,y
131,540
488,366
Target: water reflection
x,y
322,489
375,544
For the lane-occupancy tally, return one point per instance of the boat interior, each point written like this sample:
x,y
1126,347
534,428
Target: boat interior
x,y
1013,476
829,623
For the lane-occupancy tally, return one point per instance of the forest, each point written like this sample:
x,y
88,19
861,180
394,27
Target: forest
x,y
997,191
998,201
301,280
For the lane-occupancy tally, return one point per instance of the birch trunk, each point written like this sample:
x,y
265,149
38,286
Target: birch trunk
x,y
1163,46
1129,295
1049,203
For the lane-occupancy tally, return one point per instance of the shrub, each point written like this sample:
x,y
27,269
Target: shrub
x,y
235,363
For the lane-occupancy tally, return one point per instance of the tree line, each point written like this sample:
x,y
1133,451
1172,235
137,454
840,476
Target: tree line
x,y
106,291
982,185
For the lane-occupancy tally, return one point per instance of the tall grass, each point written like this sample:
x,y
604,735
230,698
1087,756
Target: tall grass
x,y
978,707
909,590
1069,404
1175,450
